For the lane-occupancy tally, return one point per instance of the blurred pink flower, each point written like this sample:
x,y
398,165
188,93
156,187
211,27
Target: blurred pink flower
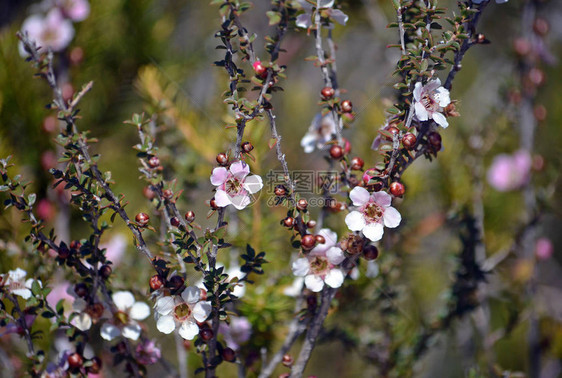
x,y
59,291
509,172
115,248
148,353
544,249
51,31
319,133
76,10
237,332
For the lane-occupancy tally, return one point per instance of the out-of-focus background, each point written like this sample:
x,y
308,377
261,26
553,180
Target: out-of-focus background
x,y
146,55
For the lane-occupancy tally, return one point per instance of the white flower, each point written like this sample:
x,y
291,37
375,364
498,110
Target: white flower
x,y
234,186
373,211
295,289
183,311
124,321
17,284
430,100
318,267
305,20
319,133
52,31
79,317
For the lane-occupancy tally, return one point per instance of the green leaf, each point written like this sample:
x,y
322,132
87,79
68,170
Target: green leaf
x,y
35,288
31,199
274,17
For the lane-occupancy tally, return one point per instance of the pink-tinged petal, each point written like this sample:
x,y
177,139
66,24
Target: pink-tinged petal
x,y
305,5
240,202
201,311
355,221
166,324
139,311
108,331
115,248
253,184
432,85
376,142
392,217
331,239
417,91
17,275
132,331
440,120
239,169
33,25
304,21
421,112
300,267
314,283
24,293
82,321
219,176
188,330
222,199
373,231
338,16
76,10
335,255
359,196
382,198
165,305
124,300
334,278
191,294
326,3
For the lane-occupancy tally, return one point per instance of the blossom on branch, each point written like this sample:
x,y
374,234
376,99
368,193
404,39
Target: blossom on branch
x,y
234,186
430,101
510,172
319,265
183,311
16,283
76,10
52,31
373,212
319,133
124,321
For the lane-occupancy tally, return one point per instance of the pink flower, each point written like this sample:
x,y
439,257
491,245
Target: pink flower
x,y
318,267
319,133
52,31
430,101
234,186
115,248
60,291
373,211
509,172
544,249
76,10
147,352
237,332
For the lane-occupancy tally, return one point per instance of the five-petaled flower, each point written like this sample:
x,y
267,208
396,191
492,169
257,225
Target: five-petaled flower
x,y
373,212
318,267
430,101
53,31
16,283
305,20
319,133
183,310
234,186
124,321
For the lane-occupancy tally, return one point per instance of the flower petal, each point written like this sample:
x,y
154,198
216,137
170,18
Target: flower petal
x,y
166,324
191,294
188,330
240,201
24,293
124,300
239,169
372,269
82,321
335,255
219,176
373,231
334,278
304,21
300,267
222,199
253,184
17,275
432,85
139,311
442,96
308,142
417,91
391,217
440,119
165,305
338,16
382,198
314,283
355,221
132,331
359,196
421,112
108,331
201,311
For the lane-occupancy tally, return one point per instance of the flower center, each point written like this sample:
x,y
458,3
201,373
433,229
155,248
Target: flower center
x,y
428,102
233,186
319,264
373,212
182,312
122,317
